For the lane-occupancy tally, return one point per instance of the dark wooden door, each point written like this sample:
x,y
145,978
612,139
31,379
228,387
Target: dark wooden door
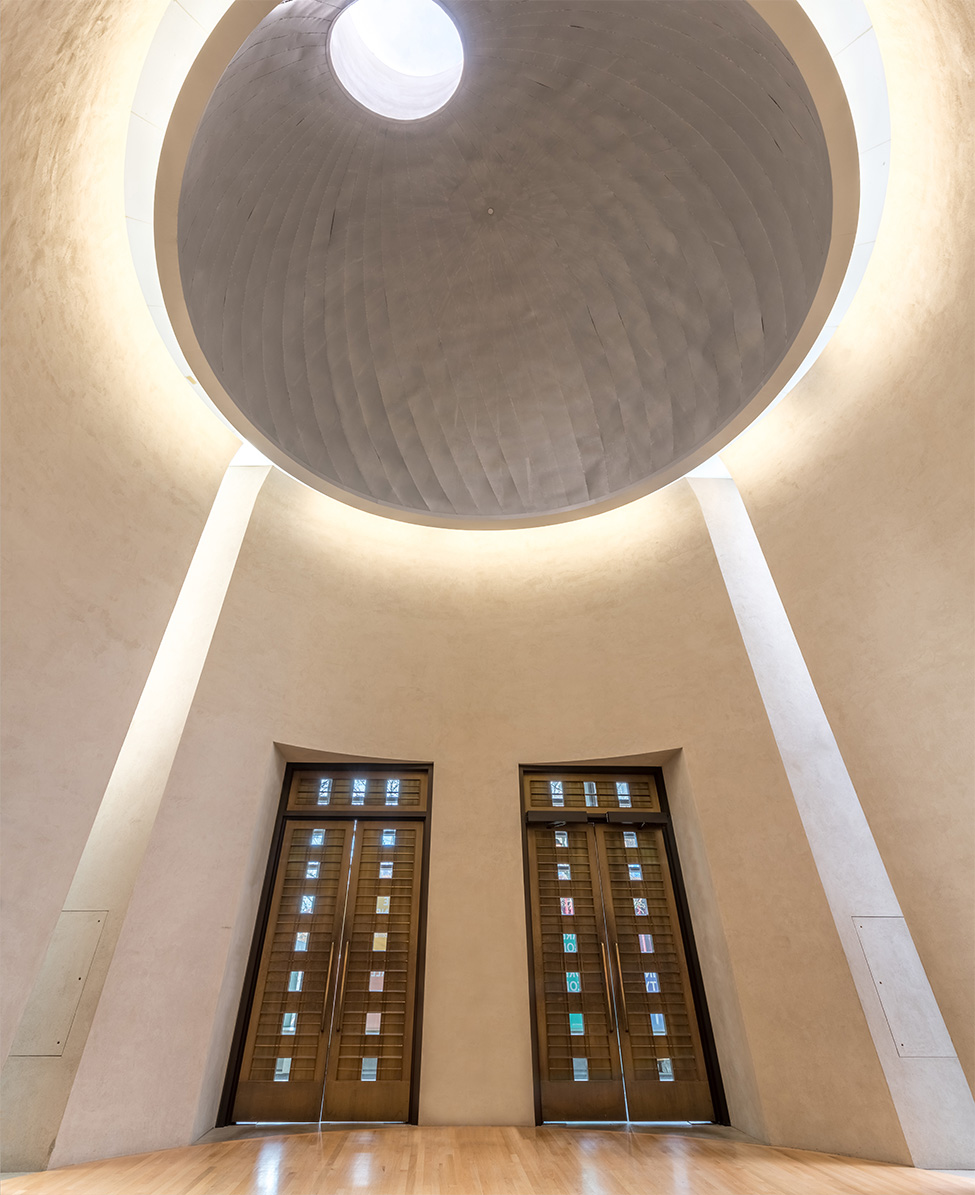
x,y
663,1061
371,1055
618,1034
286,1046
330,1027
579,1058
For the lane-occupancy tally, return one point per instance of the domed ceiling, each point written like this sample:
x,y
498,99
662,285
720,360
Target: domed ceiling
x,y
569,279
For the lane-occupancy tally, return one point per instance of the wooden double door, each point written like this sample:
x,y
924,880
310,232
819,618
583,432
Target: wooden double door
x,y
618,1032
329,1031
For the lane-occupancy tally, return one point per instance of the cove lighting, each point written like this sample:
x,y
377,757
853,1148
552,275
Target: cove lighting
x,y
399,58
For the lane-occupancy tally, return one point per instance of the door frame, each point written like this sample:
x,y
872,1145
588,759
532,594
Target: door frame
x,y
534,817
281,819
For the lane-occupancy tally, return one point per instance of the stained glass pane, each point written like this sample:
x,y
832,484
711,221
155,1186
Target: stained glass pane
x,y
369,1068
640,907
379,941
636,871
295,980
382,904
373,1020
652,980
301,941
629,838
376,979
289,1024
573,981
282,1069
569,945
646,943
324,791
385,871
580,1070
658,1024
565,871
567,907
561,837
577,1025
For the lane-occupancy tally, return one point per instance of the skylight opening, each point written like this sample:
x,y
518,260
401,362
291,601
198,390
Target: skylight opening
x,y
399,58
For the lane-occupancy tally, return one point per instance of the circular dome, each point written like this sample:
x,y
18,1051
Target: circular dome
x,y
399,58
573,276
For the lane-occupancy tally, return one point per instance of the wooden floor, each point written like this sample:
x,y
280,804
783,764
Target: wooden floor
x,y
483,1161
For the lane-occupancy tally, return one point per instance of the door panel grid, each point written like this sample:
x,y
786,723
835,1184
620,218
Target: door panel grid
x,y
328,1031
624,1015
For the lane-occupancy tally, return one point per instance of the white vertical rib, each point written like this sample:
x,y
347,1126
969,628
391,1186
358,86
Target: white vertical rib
x,y
928,1087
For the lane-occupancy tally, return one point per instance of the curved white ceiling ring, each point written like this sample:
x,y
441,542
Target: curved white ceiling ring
x,y
843,25
406,82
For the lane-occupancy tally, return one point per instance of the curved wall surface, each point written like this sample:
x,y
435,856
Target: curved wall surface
x,y
608,637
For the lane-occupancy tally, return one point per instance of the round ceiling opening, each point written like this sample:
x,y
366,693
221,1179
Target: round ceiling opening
x,y
399,58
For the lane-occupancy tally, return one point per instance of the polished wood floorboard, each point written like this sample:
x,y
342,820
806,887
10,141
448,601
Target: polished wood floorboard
x,y
406,1160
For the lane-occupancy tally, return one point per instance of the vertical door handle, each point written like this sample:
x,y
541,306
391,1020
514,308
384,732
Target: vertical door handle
x,y
619,967
345,967
328,984
609,995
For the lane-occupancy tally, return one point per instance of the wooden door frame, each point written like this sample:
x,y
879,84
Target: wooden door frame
x,y
534,817
282,817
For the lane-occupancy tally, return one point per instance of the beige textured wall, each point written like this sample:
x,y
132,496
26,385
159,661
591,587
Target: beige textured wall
x,y
860,489
109,463
610,636
605,637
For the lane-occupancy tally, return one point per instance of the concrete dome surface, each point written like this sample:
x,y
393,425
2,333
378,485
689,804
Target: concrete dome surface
x,y
571,277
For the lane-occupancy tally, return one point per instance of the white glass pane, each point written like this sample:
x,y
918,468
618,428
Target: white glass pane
x,y
369,1068
590,789
307,904
386,870
389,837
392,792
324,791
580,1070
658,1024
289,1024
376,980
282,1069
317,837
561,837
665,1070
312,869
379,941
373,1020
382,904
358,792
629,839
295,980
565,871
301,941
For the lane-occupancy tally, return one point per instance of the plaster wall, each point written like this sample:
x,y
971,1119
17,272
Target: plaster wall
x,y
479,651
860,488
109,463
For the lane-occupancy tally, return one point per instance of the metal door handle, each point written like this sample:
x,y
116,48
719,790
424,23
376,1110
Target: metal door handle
x,y
328,983
619,967
345,967
609,996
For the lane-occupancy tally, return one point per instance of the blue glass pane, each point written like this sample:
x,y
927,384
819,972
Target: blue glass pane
x,y
576,1024
629,838
658,1024
573,981
652,980
635,870
569,944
